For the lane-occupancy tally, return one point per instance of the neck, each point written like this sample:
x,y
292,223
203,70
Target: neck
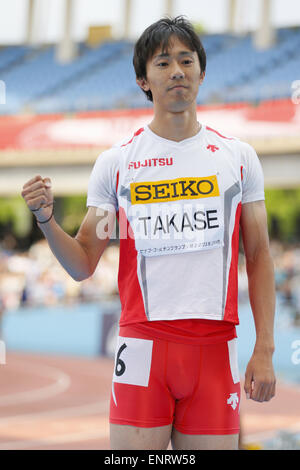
x,y
175,126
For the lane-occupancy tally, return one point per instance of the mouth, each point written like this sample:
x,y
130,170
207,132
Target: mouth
x,y
177,87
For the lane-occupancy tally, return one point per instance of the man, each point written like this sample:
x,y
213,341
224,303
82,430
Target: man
x,y
180,190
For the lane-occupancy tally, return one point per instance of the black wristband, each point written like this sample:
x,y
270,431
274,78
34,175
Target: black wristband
x,y
45,221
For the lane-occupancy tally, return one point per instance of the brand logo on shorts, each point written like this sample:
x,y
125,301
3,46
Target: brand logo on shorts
x,y
233,400
174,190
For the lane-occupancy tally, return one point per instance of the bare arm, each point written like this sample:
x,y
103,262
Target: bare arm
x,y
260,378
79,255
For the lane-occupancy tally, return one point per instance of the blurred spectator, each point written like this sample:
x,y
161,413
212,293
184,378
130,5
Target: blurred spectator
x,y
36,278
287,280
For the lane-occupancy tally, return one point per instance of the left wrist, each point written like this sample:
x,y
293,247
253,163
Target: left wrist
x,y
264,348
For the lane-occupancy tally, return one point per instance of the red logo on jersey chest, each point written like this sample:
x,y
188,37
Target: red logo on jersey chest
x,y
151,162
212,148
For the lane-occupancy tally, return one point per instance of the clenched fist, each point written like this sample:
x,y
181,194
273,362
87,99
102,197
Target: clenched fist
x,y
38,196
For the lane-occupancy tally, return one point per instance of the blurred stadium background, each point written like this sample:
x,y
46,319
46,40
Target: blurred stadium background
x,y
64,98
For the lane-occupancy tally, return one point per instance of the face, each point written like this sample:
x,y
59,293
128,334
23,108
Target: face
x,y
173,77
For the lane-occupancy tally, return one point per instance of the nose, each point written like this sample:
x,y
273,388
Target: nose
x,y
177,75
176,72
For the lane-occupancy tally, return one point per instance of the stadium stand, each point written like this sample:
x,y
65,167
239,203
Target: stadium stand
x,y
103,77
12,55
42,76
242,73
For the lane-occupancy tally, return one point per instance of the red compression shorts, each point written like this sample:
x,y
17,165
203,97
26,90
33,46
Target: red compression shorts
x,y
157,382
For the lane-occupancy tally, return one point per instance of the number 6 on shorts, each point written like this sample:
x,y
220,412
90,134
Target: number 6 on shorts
x,y
133,361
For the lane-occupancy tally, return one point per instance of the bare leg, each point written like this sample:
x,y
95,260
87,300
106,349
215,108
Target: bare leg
x,y
123,437
204,442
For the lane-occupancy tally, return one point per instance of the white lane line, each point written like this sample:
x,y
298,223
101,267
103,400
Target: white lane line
x,y
84,410
92,408
52,440
62,383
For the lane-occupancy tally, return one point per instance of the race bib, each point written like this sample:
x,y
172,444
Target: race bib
x,y
189,219
133,361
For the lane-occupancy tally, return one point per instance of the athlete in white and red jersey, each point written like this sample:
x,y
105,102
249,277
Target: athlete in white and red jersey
x,y
177,198
181,191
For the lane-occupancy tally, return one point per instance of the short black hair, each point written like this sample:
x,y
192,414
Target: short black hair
x,y
158,34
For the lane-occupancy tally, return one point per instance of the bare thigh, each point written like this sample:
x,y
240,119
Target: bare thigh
x,y
204,442
123,437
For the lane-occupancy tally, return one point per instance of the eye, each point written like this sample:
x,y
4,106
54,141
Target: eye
x,y
187,61
162,64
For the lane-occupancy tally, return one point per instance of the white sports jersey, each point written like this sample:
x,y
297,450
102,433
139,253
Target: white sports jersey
x,y
178,205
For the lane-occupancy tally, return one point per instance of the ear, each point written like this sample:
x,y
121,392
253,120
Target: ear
x,y
202,76
143,84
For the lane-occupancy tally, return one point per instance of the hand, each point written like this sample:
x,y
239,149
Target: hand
x,y
38,196
260,378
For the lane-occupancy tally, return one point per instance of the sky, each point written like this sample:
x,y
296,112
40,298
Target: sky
x,y
212,14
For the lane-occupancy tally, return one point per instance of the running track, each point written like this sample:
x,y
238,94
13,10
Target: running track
x,y
58,403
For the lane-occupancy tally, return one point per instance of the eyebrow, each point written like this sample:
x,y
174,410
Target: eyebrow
x,y
166,54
